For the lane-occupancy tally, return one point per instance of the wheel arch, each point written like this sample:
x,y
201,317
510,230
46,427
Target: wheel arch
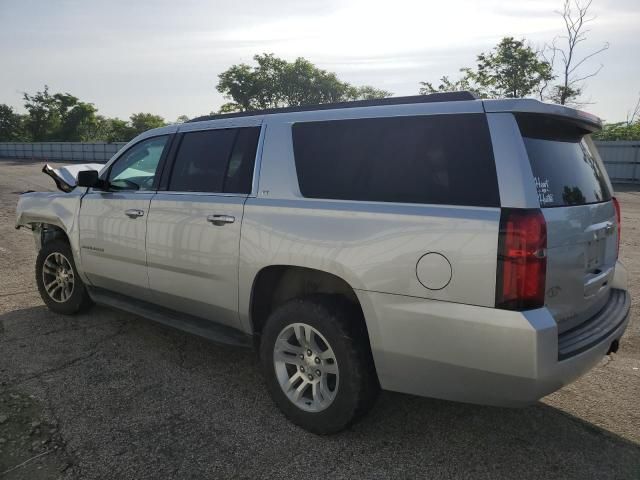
x,y
47,232
274,285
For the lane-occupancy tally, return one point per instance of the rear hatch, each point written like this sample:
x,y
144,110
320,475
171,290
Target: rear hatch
x,y
575,197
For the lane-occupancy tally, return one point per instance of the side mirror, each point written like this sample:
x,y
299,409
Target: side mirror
x,y
89,178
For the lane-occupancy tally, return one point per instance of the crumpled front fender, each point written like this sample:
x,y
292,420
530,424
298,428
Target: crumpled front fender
x,y
44,211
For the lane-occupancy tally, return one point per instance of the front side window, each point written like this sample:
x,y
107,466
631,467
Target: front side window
x,y
215,161
438,159
136,169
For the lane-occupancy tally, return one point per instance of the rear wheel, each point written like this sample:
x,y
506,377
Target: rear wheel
x,y
59,285
317,363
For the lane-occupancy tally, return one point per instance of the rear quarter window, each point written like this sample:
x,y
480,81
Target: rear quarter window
x,y
565,166
439,159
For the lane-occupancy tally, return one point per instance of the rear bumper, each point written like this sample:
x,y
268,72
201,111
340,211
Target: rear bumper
x,y
483,355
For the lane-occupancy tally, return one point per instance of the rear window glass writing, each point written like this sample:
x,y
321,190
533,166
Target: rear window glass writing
x,y
544,191
566,173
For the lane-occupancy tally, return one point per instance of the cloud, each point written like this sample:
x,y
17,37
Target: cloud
x,y
164,56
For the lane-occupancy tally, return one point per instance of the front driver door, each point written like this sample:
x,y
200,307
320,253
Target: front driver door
x,y
113,223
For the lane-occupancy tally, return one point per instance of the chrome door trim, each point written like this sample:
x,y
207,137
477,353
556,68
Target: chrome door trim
x,y
202,194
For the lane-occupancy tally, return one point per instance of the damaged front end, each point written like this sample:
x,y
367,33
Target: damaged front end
x,y
66,177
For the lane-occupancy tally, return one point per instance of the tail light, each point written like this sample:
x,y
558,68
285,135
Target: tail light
x,y
616,204
522,259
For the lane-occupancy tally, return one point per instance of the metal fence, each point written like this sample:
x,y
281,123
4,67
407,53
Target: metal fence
x,y
621,158
69,151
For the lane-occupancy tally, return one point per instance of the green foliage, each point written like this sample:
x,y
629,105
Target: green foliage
x,y
274,83
117,130
60,117
11,125
465,83
619,131
366,92
564,95
511,70
141,122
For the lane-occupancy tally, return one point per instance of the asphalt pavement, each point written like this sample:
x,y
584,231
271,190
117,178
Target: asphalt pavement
x,y
110,395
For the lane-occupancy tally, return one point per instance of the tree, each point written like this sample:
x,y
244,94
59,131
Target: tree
x,y
627,130
182,119
42,118
117,130
79,122
575,15
11,125
465,83
275,82
59,117
366,92
62,117
141,122
512,69
619,131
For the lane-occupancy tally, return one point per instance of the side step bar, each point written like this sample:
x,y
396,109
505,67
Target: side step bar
x,y
188,323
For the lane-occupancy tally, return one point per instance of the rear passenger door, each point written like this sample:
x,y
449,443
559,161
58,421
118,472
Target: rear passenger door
x,y
193,229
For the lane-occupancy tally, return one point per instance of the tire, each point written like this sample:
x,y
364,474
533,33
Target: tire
x,y
56,267
346,395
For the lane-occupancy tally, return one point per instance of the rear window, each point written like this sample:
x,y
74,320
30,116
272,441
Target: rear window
x,y
215,161
565,169
440,159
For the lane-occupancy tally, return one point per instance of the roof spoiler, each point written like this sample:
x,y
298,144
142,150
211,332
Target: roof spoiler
x,y
528,105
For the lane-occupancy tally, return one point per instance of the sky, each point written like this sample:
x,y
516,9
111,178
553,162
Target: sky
x,y
164,56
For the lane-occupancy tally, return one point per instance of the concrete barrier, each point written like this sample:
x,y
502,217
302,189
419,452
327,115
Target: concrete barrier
x,y
65,151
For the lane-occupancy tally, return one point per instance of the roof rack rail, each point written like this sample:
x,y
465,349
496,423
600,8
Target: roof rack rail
x,y
433,97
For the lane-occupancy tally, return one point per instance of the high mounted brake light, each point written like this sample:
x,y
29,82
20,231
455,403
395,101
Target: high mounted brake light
x,y
522,259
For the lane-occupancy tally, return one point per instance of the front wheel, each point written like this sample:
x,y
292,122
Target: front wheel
x,y
59,285
317,363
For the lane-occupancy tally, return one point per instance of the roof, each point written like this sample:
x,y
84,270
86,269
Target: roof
x,y
431,98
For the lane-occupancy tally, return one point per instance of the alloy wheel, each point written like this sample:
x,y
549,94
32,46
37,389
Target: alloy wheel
x,y
306,367
58,277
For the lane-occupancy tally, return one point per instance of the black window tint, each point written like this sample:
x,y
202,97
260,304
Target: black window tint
x,y
215,161
440,159
565,169
201,162
241,164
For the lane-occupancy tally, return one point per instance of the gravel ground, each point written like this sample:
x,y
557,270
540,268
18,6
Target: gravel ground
x,y
111,395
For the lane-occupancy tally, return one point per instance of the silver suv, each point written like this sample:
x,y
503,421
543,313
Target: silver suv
x,y
438,245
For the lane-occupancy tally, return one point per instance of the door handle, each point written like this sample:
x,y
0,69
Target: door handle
x,y
220,219
134,213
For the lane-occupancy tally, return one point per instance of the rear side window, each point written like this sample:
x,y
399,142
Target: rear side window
x,y
565,169
239,174
215,161
441,159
